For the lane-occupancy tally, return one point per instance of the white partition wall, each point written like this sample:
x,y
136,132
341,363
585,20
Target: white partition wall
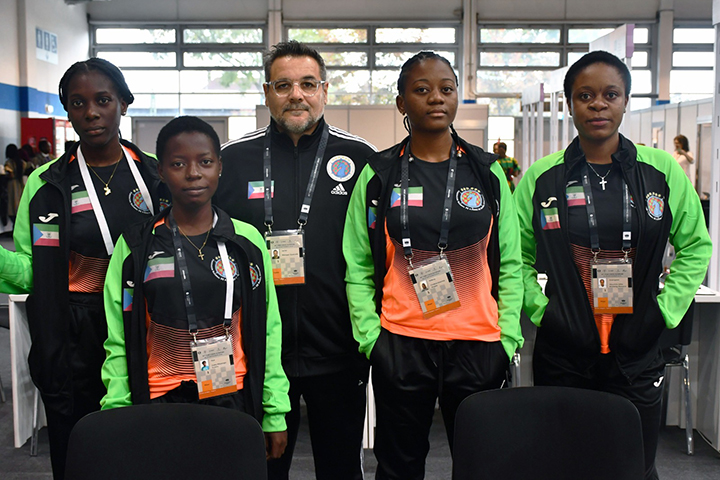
x,y
533,108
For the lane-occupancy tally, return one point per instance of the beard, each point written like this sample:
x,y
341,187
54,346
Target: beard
x,y
294,124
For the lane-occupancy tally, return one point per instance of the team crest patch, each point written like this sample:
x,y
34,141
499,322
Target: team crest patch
x,y
164,203
470,198
341,168
218,268
138,202
255,276
655,205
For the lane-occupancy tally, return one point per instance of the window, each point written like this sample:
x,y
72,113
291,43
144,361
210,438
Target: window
x,y
692,77
363,62
175,69
513,57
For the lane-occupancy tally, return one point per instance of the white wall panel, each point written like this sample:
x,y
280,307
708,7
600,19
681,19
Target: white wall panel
x,y
180,10
9,40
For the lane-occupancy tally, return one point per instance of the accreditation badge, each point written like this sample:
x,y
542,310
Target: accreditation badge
x,y
214,366
612,286
287,256
434,286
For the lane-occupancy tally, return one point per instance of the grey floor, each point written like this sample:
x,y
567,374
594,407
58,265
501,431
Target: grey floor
x,y
17,464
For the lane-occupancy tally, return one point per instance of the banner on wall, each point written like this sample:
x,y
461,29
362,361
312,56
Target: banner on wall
x,y
46,46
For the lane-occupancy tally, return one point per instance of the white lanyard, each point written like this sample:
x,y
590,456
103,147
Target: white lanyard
x,y
95,202
229,281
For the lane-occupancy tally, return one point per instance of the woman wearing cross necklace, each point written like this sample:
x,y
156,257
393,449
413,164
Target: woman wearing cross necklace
x,y
181,304
64,234
597,216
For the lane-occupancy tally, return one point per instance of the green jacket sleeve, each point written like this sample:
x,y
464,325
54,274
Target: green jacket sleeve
x,y
360,270
276,402
534,301
689,236
114,370
16,272
510,284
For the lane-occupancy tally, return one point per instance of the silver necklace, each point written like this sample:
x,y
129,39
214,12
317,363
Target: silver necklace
x,y
602,182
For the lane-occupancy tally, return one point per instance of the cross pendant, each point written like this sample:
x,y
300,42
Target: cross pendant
x,y
603,182
107,190
201,255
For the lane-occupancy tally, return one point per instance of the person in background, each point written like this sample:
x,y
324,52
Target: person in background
x,y
159,349
43,155
14,168
509,164
71,213
433,270
684,157
271,177
605,208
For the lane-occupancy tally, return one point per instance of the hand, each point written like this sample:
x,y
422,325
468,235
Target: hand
x,y
275,443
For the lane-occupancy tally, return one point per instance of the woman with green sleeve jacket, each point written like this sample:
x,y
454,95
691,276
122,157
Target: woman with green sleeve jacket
x,y
169,314
597,217
433,270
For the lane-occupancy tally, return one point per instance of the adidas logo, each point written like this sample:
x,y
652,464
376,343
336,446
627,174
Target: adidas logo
x,y
339,190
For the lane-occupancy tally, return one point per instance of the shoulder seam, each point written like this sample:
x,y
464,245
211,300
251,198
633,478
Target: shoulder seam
x,y
340,133
245,138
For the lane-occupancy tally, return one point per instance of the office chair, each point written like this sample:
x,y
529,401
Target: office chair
x,y
178,441
553,433
674,344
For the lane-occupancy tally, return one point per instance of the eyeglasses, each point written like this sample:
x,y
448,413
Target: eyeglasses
x,y
283,88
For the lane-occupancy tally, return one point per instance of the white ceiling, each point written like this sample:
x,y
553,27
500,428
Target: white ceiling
x,y
365,11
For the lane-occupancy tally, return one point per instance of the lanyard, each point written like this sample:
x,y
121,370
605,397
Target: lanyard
x,y
95,201
592,217
312,182
447,205
185,278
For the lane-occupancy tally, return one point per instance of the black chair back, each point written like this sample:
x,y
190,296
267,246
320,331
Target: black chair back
x,y
542,433
173,441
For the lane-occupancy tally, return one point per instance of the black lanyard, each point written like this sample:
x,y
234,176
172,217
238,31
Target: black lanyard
x,y
312,182
592,217
447,205
185,278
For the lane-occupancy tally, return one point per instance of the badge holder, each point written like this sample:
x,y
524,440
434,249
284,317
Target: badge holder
x,y
214,365
612,285
434,285
287,255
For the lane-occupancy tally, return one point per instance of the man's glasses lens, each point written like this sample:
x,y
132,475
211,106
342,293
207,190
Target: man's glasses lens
x,y
283,88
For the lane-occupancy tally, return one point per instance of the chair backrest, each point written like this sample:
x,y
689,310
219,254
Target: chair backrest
x,y
547,433
175,441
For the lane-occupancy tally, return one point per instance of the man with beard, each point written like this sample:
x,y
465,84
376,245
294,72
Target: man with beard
x,y
271,178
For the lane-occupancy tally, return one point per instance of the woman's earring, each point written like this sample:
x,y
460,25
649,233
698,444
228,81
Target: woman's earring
x,y
406,123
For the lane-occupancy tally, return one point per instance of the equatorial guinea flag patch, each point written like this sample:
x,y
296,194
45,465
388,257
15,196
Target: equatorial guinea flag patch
x,y
549,218
46,235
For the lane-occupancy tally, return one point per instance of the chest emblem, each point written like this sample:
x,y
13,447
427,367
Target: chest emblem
x,y
415,197
218,268
46,235
255,276
575,196
256,190
137,201
470,198
160,267
655,205
341,168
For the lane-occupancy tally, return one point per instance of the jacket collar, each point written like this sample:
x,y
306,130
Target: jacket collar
x,y
626,154
305,142
223,230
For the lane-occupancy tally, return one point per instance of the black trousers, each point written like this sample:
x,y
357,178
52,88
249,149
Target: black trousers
x,y
87,333
645,391
187,392
336,415
409,376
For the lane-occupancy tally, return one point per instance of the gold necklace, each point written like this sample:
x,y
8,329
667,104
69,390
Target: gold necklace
x,y
200,254
107,184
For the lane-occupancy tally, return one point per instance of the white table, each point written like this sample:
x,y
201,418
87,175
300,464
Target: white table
x,y
23,390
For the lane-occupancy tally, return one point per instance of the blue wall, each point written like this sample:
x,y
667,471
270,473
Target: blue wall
x,y
27,99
